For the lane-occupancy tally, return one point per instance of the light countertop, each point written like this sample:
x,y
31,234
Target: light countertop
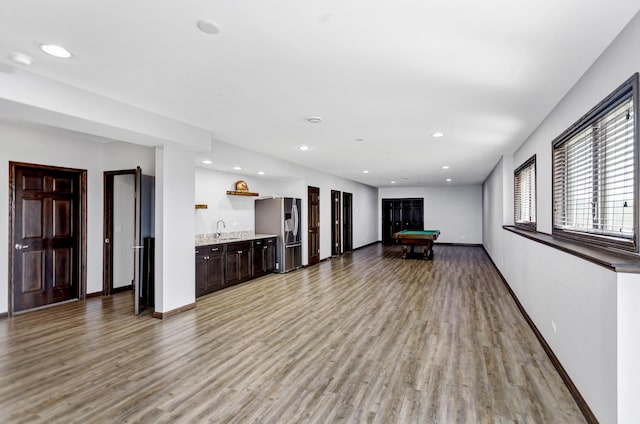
x,y
230,237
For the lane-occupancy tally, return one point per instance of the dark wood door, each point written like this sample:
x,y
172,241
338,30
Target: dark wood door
x,y
387,221
397,216
336,224
401,214
416,220
46,235
313,201
347,218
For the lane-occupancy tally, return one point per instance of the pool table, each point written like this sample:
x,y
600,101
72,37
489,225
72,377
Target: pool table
x,y
417,238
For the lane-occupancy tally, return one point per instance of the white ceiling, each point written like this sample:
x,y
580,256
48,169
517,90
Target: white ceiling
x,y
383,74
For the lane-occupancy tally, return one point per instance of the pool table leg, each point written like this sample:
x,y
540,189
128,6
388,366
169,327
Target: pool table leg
x,y
428,251
404,251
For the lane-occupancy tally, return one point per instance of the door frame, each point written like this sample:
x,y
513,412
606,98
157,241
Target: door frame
x,y
336,223
82,231
107,232
347,221
315,258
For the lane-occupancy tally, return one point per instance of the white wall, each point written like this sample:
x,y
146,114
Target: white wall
x,y
454,210
238,212
54,147
365,210
628,347
118,156
596,339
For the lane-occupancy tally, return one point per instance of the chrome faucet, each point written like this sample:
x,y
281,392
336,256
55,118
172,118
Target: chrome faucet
x,y
218,232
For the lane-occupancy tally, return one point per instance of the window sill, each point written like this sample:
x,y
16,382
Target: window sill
x,y
615,261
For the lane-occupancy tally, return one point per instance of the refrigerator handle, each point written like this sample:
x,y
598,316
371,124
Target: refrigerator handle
x,y
294,212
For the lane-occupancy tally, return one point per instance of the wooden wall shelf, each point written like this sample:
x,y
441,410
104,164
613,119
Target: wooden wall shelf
x,y
241,193
201,206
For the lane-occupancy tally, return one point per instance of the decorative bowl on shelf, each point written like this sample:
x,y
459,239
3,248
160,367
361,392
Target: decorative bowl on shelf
x,y
241,189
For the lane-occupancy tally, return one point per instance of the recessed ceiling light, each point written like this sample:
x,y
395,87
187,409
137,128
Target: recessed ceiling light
x,y
365,172
315,119
303,148
405,178
260,172
392,182
437,134
55,50
207,162
237,168
448,180
208,26
445,166
21,58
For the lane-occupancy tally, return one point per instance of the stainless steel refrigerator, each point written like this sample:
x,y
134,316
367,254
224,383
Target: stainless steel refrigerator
x,y
281,216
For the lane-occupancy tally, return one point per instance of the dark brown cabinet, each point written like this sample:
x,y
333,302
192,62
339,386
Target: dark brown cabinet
x,y
263,256
238,262
224,264
210,267
401,214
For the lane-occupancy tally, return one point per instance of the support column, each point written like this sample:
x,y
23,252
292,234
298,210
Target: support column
x,y
175,229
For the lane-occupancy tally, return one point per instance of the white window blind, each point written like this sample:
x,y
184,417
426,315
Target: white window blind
x,y
525,194
594,191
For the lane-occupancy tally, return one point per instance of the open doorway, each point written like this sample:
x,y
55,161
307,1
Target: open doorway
x,y
120,209
128,235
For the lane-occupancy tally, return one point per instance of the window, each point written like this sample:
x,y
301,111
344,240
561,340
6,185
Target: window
x,y
594,173
525,194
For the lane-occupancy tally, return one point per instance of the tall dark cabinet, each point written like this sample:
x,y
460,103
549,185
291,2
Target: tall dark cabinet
x,y
401,214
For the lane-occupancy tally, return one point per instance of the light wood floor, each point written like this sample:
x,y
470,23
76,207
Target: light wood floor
x,y
367,337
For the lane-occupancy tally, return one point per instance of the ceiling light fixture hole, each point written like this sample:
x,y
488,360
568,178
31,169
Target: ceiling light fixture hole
x,y
56,51
208,26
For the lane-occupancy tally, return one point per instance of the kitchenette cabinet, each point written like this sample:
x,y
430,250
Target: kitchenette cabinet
x,y
238,262
264,256
224,264
210,267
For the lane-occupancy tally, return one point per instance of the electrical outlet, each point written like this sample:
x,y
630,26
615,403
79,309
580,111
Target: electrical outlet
x,y
553,325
